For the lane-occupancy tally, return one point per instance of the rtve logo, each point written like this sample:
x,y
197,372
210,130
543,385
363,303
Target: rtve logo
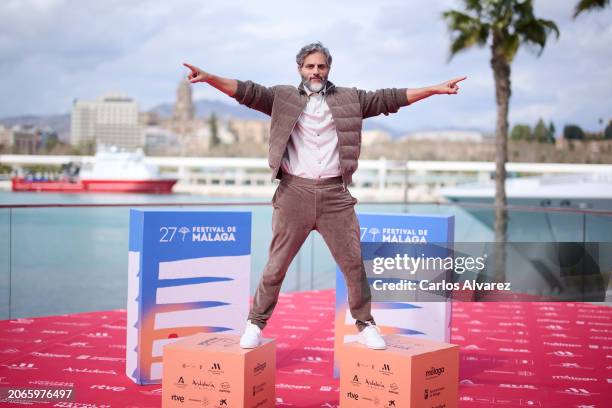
x,y
178,398
353,395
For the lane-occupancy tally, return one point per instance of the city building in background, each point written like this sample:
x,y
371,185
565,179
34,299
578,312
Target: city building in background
x,y
82,122
447,135
184,111
250,131
374,137
112,120
26,139
6,137
189,132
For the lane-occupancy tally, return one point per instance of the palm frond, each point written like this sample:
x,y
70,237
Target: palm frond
x,y
466,31
473,5
589,5
510,46
535,32
512,21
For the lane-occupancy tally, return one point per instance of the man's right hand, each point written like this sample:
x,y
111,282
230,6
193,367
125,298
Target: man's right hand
x,y
196,74
225,85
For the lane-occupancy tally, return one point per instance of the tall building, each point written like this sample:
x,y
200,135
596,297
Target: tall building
x,y
183,123
183,109
111,120
82,122
6,137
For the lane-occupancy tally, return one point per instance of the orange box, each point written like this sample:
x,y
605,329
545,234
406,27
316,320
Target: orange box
x,y
211,370
415,373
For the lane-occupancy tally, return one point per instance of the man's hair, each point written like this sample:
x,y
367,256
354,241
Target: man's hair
x,y
311,49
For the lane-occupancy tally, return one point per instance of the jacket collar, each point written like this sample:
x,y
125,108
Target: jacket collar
x,y
329,88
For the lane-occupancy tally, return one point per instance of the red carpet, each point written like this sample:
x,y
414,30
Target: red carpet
x,y
512,355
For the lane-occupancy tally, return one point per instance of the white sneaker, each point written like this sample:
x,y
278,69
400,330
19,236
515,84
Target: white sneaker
x,y
251,337
371,338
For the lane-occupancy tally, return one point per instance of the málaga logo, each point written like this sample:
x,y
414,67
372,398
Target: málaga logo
x,y
213,234
434,372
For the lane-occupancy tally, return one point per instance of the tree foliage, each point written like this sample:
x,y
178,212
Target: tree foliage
x,y
573,132
213,123
589,5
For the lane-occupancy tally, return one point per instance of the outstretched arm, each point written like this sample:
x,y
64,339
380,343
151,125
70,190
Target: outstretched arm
x,y
390,100
225,85
247,93
449,87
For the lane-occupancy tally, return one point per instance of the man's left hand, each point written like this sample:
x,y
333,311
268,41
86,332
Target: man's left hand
x,y
449,87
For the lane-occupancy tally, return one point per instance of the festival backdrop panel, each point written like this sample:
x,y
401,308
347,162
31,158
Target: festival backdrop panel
x,y
426,319
188,273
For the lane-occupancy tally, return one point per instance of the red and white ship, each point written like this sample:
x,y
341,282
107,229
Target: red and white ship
x,y
112,171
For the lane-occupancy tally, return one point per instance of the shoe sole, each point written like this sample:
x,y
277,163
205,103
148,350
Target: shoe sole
x,y
249,347
372,348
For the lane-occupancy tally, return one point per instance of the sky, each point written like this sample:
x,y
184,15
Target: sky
x,y
53,51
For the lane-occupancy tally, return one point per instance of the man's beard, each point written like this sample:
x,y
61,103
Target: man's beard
x,y
316,86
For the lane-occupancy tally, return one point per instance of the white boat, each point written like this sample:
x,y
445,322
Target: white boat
x,y
580,191
112,171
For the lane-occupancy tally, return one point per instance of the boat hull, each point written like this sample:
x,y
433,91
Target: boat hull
x,y
95,186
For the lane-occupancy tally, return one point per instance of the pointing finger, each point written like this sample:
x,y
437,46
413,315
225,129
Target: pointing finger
x,y
191,67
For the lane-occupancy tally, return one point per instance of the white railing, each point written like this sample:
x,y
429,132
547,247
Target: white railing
x,y
390,178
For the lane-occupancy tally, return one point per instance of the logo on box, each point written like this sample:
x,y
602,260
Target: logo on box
x,y
215,369
374,384
394,388
353,395
359,365
259,368
434,372
178,398
203,385
225,387
258,388
180,383
386,369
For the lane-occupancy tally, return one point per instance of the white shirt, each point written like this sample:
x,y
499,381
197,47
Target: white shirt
x,y
312,150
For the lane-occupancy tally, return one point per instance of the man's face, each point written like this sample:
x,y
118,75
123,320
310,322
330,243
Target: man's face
x,y
314,71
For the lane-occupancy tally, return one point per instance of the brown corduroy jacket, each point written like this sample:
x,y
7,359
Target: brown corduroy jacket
x,y
348,106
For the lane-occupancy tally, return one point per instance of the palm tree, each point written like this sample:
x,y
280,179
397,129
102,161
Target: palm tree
x,y
503,25
588,5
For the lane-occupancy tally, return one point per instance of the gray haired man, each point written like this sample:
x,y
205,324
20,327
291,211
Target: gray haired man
x,y
315,141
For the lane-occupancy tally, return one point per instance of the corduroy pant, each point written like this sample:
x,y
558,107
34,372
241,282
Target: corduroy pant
x,y
300,206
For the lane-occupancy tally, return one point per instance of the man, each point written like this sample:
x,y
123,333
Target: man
x,y
315,141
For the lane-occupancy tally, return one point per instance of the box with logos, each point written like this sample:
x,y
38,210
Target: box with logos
x,y
212,370
409,373
188,273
